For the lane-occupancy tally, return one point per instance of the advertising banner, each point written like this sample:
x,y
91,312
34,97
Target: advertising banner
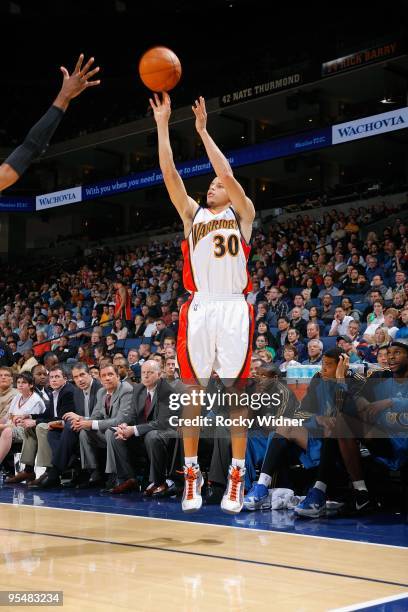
x,y
370,126
17,204
58,198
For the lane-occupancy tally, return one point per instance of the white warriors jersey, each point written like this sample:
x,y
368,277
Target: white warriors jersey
x,y
215,254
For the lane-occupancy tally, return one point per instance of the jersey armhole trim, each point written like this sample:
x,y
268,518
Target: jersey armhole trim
x,y
239,227
192,221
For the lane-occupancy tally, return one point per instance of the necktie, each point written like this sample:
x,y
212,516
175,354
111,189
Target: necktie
x,y
86,404
108,399
147,406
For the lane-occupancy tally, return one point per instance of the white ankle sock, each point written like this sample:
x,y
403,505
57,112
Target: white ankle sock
x,y
321,486
265,479
190,460
238,462
359,485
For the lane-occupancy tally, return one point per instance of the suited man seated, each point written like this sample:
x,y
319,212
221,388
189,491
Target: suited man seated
x,y
148,432
113,406
36,430
64,442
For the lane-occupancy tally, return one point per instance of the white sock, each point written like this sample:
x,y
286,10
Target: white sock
x,y
190,460
321,486
238,462
359,485
265,479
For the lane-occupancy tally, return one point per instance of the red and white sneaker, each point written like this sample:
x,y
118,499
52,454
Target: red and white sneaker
x,y
233,499
193,481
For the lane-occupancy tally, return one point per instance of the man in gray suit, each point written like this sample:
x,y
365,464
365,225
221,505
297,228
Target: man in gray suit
x,y
113,404
147,432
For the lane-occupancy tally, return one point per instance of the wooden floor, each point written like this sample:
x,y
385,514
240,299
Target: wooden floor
x,y
105,561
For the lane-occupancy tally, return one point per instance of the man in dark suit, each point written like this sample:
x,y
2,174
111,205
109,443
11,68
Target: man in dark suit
x,y
36,430
40,375
113,406
148,431
63,442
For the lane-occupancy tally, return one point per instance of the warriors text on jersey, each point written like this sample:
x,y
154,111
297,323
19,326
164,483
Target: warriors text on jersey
x,y
215,254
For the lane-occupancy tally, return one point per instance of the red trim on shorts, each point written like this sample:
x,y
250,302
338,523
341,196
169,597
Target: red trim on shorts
x,y
188,274
247,249
244,373
183,357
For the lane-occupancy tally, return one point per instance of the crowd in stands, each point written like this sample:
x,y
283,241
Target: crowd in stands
x,y
317,284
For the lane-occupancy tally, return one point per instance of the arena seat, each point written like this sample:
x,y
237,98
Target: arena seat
x,y
130,343
329,342
295,291
358,298
360,306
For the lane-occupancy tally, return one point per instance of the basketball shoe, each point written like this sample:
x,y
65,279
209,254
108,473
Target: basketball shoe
x,y
257,498
313,505
233,499
193,481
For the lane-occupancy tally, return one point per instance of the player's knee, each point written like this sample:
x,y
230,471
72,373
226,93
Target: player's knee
x,y
151,436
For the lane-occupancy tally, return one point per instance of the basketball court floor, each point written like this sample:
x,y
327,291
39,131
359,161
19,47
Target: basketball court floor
x,y
127,553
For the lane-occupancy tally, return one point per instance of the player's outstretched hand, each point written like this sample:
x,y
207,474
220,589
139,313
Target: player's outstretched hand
x,y
161,107
200,114
75,83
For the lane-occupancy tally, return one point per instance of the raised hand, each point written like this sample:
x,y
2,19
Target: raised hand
x,y
200,114
75,83
161,107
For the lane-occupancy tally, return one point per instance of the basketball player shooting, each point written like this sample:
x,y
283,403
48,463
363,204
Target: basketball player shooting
x,y
216,323
41,133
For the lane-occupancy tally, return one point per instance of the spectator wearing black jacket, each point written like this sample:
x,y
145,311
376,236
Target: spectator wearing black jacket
x,y
64,351
6,356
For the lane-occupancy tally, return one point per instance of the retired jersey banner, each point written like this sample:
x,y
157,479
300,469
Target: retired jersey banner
x,y
263,88
358,59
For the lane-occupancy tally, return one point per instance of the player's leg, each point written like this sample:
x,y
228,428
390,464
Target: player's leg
x,y
195,355
314,504
233,358
350,429
276,456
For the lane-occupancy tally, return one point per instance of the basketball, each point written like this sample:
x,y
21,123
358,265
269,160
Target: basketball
x,y
160,69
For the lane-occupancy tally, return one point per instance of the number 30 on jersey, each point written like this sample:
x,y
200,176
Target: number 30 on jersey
x,y
222,246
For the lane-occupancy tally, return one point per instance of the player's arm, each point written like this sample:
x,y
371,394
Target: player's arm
x,y
242,204
41,133
186,206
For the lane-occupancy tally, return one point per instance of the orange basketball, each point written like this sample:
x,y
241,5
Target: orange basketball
x,y
160,69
